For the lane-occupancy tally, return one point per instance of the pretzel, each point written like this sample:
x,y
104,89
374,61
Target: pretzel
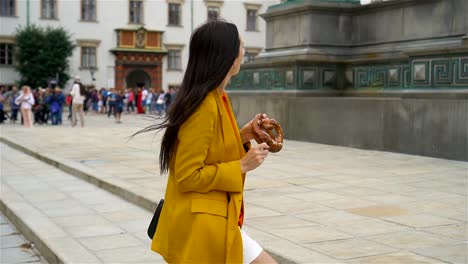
x,y
262,130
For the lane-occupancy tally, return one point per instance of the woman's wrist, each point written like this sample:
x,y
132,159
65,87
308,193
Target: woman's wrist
x,y
246,133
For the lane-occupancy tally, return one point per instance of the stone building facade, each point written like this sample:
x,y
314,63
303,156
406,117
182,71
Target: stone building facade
x,y
123,42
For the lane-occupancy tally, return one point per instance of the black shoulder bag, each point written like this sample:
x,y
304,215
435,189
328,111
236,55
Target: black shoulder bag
x,y
154,221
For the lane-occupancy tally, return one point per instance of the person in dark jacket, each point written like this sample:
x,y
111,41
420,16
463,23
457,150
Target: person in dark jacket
x,y
56,102
13,106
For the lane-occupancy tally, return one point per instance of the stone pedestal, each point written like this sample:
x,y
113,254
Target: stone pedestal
x,y
389,76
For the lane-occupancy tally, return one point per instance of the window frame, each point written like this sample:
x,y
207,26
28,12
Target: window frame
x,y
208,12
82,11
169,58
88,66
142,18
86,44
6,58
179,14
247,28
55,10
252,7
14,13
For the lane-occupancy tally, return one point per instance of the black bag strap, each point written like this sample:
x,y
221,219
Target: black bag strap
x,y
154,221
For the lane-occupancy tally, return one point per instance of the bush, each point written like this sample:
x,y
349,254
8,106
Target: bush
x,y
42,54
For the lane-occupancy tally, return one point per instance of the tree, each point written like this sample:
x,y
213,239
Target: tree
x,y
43,55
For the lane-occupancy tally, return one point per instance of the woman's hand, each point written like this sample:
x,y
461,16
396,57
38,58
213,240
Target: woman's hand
x,y
246,131
254,157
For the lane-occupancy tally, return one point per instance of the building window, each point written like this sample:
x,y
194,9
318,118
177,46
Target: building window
x,y
174,14
49,9
251,20
213,13
6,53
7,7
88,57
136,12
88,10
174,60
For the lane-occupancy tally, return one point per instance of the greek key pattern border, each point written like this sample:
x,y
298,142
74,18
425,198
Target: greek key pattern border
x,y
424,73
282,78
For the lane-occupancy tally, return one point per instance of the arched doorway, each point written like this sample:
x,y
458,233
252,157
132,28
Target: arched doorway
x,y
138,78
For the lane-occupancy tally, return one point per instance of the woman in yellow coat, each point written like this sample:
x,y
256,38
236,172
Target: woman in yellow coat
x,y
205,155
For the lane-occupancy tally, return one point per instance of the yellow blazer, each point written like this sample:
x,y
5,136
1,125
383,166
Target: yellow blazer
x,y
198,223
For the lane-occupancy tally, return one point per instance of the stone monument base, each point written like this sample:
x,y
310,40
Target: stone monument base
x,y
425,124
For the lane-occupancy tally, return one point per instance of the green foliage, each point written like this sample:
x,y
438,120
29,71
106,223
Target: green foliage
x,y
42,54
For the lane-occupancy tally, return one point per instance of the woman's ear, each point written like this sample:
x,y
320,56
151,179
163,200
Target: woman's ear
x,y
233,67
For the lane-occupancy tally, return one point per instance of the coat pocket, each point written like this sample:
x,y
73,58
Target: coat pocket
x,y
209,206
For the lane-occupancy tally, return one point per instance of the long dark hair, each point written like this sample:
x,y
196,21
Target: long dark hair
x,y
214,46
82,88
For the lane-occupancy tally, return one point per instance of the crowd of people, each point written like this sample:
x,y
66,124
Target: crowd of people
x,y
45,105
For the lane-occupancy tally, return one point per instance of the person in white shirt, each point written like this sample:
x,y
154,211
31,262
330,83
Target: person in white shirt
x,y
26,100
78,93
144,96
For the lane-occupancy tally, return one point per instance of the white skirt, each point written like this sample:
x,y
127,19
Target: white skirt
x,y
251,248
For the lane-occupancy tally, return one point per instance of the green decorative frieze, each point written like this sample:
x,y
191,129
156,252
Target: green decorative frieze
x,y
286,78
416,73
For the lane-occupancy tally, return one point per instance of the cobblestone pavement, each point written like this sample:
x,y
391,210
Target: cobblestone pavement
x,y
14,248
312,203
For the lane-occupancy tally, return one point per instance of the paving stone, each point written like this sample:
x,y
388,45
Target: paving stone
x,y
411,240
449,253
124,215
456,213
258,235
423,206
351,248
130,255
458,232
106,207
370,227
309,234
420,220
68,211
257,211
6,230
378,211
357,191
402,257
314,196
110,242
136,225
268,223
297,253
346,203
330,218
81,220
71,251
392,199
94,230
8,241
3,219
60,204
45,196
16,255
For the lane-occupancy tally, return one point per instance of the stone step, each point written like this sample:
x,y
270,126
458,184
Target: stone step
x,y
106,186
70,220
100,179
14,247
